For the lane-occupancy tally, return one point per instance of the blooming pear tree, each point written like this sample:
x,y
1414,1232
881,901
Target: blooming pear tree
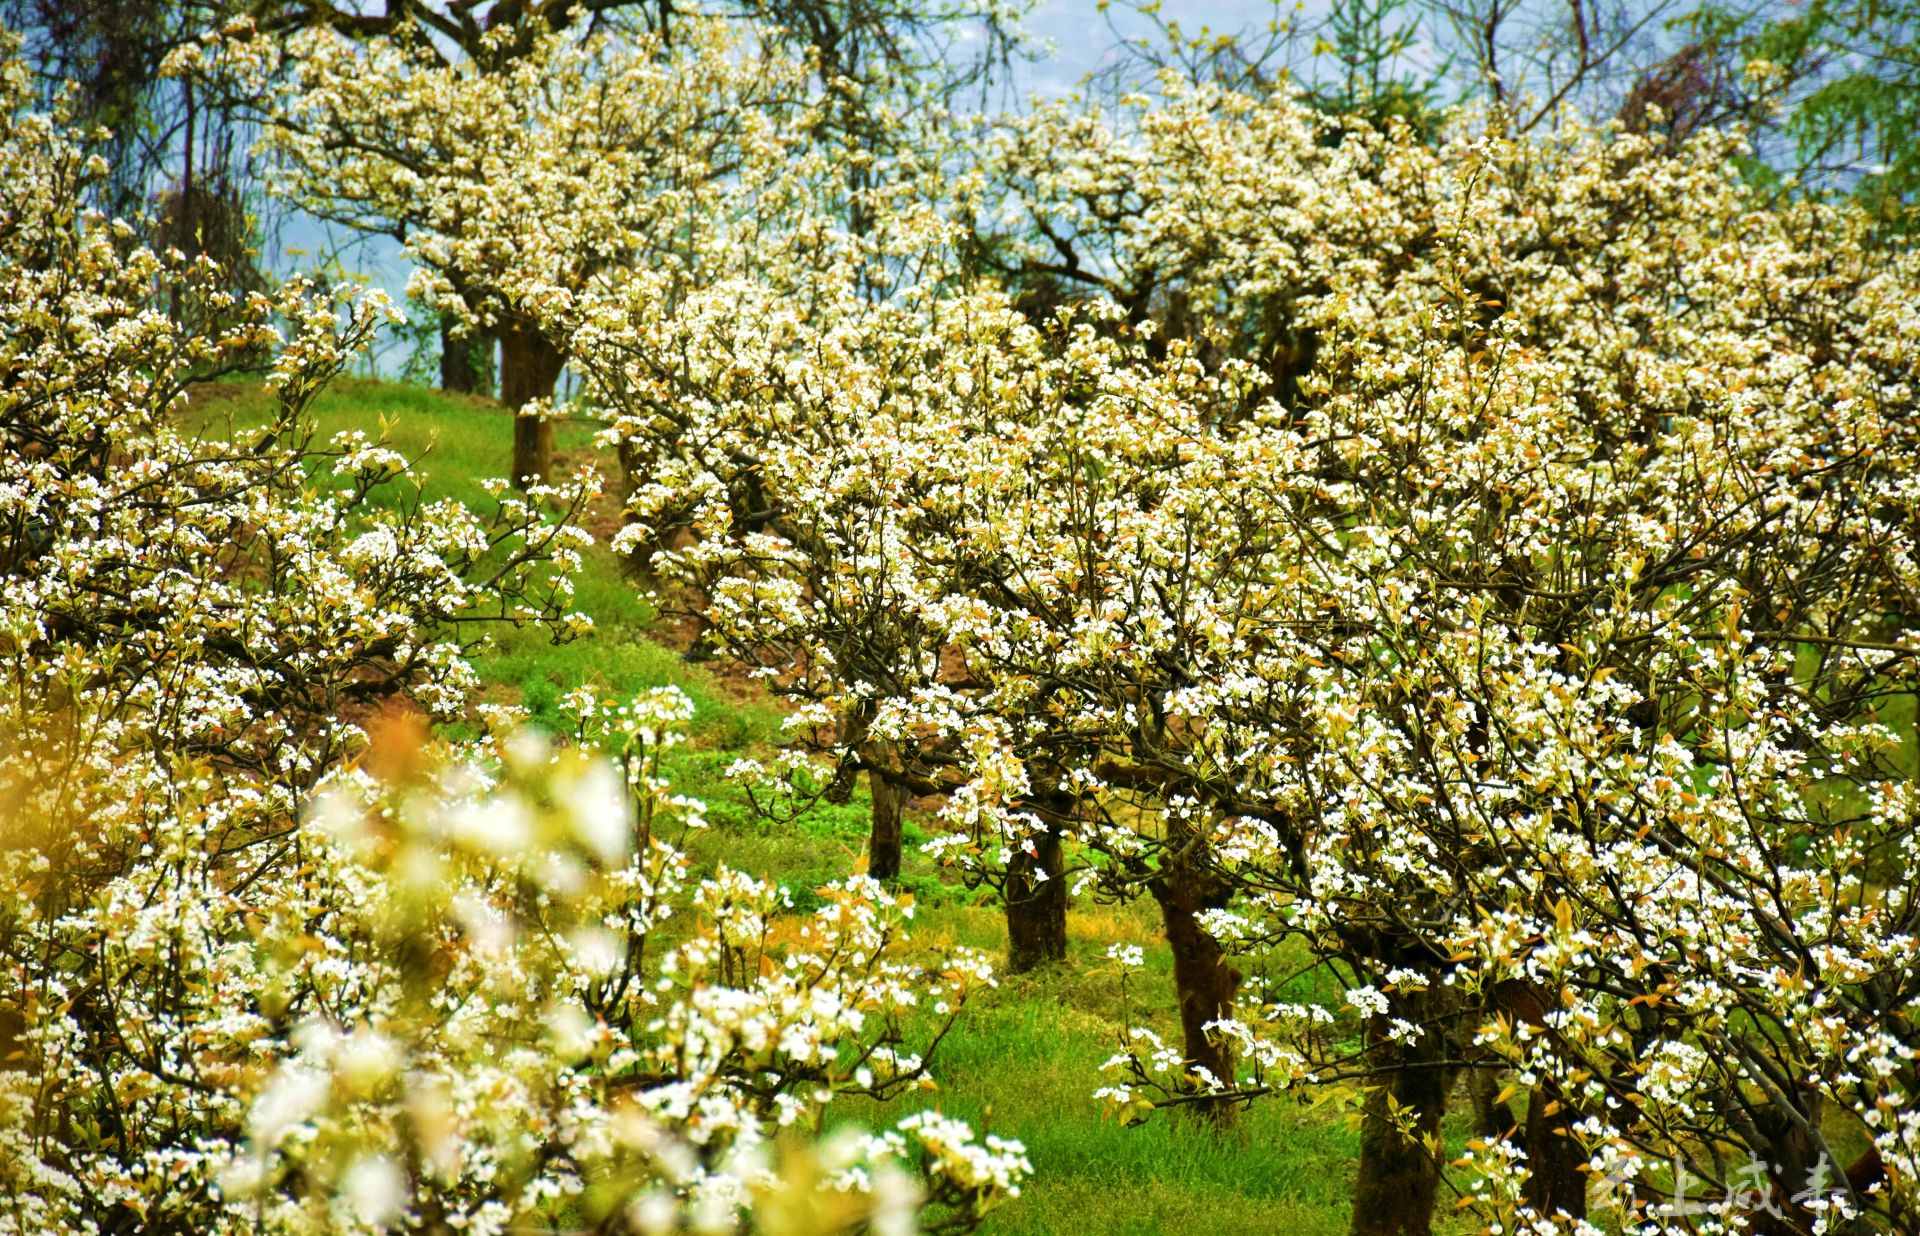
x,y
551,155
553,1017
1584,396
238,581
898,516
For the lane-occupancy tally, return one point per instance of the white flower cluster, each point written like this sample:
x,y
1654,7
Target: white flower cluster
x,y
549,1015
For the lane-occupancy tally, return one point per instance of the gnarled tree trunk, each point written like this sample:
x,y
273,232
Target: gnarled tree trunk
x,y
1037,908
462,369
1399,1173
1202,979
883,844
1556,1184
529,367
1493,1116
1556,1163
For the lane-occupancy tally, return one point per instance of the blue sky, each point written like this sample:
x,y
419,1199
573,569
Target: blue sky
x,y
1083,39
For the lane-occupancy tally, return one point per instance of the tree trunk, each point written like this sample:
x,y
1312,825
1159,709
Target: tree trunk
x,y
1493,1116
1399,1175
1556,1184
883,846
1203,981
462,369
1556,1180
1036,908
635,465
529,366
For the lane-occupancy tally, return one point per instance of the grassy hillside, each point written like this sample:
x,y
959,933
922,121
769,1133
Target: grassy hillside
x,y
1025,1059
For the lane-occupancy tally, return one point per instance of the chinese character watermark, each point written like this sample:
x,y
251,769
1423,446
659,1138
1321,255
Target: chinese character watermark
x,y
1751,1191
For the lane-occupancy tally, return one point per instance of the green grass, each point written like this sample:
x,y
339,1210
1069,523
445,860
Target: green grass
x,y
1025,1057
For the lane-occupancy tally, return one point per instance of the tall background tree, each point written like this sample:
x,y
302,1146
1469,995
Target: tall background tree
x,y
176,156
875,58
1847,73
